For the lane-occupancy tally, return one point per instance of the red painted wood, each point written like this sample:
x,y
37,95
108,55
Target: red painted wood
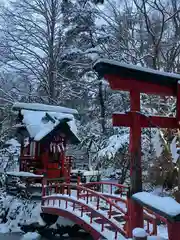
x,y
135,140
108,185
126,120
53,165
44,183
136,211
125,84
129,223
153,222
178,105
53,173
21,155
45,158
157,216
37,150
173,230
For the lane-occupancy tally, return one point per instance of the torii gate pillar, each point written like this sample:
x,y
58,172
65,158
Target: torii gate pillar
x,y
136,211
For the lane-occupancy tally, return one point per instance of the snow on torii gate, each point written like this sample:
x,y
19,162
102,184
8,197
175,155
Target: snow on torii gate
x,y
138,80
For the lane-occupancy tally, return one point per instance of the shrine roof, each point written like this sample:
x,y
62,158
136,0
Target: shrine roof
x,y
40,124
109,67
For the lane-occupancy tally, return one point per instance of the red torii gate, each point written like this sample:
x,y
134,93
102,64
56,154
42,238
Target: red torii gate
x,y
138,80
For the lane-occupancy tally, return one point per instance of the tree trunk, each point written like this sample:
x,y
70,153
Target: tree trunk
x,y
102,107
52,60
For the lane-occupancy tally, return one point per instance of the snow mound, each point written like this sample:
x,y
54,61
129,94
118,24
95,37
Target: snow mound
x,y
16,212
139,232
31,236
13,142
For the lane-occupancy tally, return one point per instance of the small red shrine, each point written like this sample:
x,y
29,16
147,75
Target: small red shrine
x,y
44,132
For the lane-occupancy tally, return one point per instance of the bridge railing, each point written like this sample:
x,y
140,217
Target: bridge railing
x,y
152,220
51,184
108,187
88,197
76,190
114,191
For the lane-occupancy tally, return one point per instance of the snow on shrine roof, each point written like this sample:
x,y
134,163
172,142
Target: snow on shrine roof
x,y
106,66
43,107
38,125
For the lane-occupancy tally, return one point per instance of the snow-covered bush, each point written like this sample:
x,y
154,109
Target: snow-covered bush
x,y
15,212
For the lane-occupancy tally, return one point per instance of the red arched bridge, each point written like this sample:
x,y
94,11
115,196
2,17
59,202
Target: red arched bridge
x,y
102,214
96,209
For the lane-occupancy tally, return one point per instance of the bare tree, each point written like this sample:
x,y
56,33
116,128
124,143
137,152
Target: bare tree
x,y
157,17
142,32
33,36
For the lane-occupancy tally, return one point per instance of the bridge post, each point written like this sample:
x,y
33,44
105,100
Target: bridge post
x,y
136,211
178,121
173,230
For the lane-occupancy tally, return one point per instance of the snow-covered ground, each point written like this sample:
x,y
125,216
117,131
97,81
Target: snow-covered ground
x,y
31,236
15,212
